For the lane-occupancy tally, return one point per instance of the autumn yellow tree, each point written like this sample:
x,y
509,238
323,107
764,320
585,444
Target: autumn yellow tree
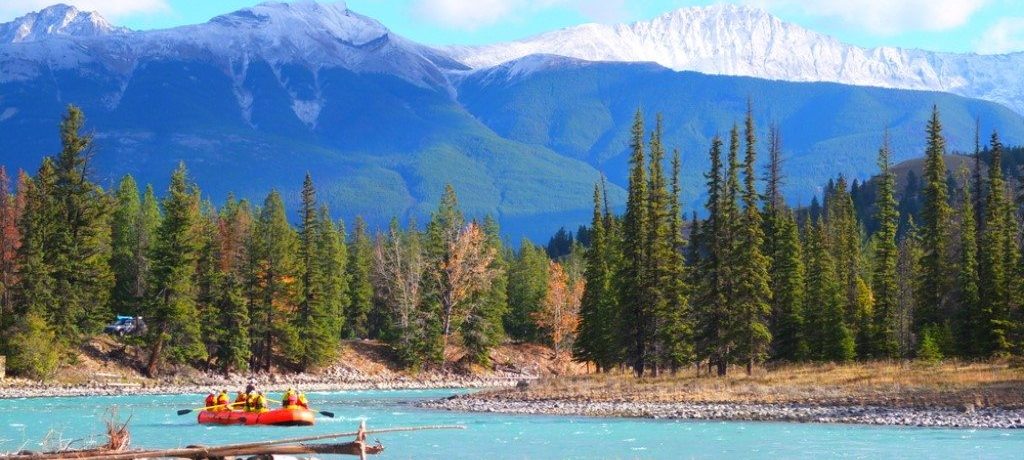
x,y
559,315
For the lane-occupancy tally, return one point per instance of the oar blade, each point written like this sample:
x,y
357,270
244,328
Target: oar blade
x,y
327,414
184,411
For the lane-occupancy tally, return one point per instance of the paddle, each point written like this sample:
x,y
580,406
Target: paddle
x,y
185,411
321,412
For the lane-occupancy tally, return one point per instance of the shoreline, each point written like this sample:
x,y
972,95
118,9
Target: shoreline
x,y
939,417
20,390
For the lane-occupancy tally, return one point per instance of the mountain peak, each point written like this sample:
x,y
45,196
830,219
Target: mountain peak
x,y
305,17
56,20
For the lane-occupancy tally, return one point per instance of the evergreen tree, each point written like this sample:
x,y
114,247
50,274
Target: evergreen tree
x,y
126,226
597,341
935,285
357,314
483,329
12,207
967,279
234,229
752,294
884,283
527,286
787,286
277,289
81,239
312,285
676,332
659,308
827,334
174,330
634,284
712,250
323,326
994,298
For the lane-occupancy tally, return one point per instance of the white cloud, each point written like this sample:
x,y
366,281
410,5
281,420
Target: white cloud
x,y
886,17
473,14
110,9
1005,36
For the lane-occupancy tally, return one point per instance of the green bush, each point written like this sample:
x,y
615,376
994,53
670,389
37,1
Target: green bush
x,y
33,347
929,349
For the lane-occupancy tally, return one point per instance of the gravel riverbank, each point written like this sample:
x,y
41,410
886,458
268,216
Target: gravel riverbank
x,y
966,417
307,383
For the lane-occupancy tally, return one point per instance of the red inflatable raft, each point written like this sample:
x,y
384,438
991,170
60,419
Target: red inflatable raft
x,y
277,417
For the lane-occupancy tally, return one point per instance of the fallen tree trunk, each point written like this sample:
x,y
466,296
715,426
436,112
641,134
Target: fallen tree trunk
x,y
253,448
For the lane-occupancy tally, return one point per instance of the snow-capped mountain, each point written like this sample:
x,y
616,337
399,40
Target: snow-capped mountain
x,y
57,20
745,41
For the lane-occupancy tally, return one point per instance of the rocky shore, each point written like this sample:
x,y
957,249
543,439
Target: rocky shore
x,y
965,417
307,382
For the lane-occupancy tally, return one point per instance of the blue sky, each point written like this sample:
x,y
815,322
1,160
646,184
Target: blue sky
x,y
986,26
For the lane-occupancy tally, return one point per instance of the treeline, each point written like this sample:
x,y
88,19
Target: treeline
x,y
239,288
759,281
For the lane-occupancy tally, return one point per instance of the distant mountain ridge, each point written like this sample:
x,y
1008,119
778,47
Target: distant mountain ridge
x,y
251,100
740,40
57,20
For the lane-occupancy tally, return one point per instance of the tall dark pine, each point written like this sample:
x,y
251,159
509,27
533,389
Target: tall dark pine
x,y
993,334
968,304
752,294
936,280
883,280
81,240
677,332
711,251
634,284
658,271
172,310
357,321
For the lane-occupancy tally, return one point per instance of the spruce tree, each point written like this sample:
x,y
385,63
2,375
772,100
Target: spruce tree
x,y
126,226
596,340
711,251
174,325
357,314
992,337
634,284
659,309
752,294
527,287
883,279
787,285
277,291
235,223
827,334
677,332
81,239
935,285
967,278
482,329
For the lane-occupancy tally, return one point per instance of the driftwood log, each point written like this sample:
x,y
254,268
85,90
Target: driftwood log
x,y
289,446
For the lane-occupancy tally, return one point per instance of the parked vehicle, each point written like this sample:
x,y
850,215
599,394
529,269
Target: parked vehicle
x,y
126,325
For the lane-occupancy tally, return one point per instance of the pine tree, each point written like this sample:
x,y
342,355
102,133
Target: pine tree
x,y
482,329
827,334
787,286
967,278
312,295
277,290
234,228
81,239
174,329
843,235
994,298
357,314
634,284
527,286
659,309
884,282
935,285
596,341
677,332
38,226
322,328
126,227
712,251
752,294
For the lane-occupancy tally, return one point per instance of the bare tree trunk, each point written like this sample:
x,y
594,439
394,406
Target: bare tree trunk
x,y
154,355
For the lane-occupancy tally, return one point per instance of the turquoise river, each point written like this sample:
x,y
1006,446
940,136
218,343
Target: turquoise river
x,y
24,423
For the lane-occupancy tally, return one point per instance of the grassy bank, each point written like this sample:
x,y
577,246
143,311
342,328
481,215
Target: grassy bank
x,y
895,384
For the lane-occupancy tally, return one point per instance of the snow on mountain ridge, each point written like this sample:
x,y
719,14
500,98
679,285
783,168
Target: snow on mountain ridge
x,y
56,20
739,40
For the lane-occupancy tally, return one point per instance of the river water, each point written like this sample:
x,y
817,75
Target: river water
x,y
24,423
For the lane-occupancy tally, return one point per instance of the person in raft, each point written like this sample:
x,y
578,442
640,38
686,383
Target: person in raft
x,y
257,402
241,401
210,401
294,400
223,400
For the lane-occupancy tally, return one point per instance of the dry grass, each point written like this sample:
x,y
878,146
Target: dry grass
x,y
884,383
